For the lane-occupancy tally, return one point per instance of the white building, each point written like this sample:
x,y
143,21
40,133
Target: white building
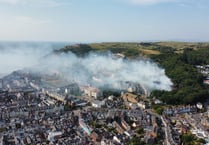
x,y
92,92
199,105
97,104
57,96
141,105
53,134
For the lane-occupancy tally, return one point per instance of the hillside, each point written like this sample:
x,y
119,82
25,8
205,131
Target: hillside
x,y
134,49
178,58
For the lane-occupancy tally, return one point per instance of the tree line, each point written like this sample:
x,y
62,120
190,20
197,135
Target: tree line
x,y
188,85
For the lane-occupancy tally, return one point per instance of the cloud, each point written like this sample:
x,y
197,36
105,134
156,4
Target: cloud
x,y
184,3
150,2
10,2
194,3
20,20
34,3
30,20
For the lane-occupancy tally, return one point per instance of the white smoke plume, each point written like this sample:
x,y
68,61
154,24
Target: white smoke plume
x,y
19,55
94,69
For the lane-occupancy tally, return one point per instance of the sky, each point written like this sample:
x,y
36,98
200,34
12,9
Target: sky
x,y
104,20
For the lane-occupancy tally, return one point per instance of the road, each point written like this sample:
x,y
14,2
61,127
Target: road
x,y
166,130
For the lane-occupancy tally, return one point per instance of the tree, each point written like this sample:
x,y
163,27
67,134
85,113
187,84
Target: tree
x,y
190,139
188,85
140,131
136,141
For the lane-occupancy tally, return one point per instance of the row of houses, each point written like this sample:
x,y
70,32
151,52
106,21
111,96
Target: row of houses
x,y
180,110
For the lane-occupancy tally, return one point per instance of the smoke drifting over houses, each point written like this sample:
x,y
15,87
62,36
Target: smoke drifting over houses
x,y
93,69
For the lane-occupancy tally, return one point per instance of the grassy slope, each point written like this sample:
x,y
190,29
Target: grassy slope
x,y
134,49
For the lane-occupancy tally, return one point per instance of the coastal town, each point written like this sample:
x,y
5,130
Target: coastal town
x,y
35,111
104,72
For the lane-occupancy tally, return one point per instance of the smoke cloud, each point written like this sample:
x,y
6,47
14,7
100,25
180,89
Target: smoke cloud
x,y
94,69
20,55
